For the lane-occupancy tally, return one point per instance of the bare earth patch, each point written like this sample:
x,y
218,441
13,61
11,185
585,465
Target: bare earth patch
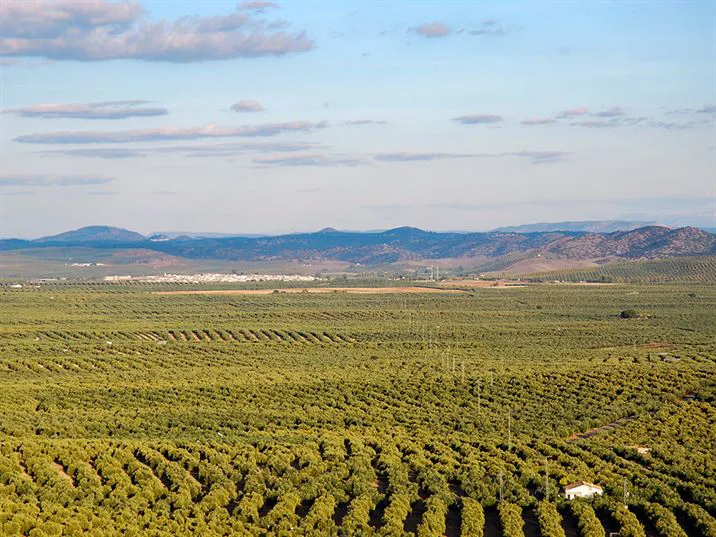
x,y
61,470
653,345
479,283
596,430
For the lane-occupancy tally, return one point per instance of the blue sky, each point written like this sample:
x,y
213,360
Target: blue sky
x,y
268,118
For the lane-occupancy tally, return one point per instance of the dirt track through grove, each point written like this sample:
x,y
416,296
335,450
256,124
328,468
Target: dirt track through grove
x,y
619,422
323,290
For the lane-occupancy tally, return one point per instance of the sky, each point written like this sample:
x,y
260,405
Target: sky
x,y
263,117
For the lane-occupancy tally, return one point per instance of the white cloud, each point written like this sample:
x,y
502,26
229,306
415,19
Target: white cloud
x,y
432,30
247,106
100,110
49,180
92,30
169,133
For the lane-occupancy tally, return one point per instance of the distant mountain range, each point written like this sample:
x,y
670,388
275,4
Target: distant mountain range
x,y
199,234
590,226
405,244
94,234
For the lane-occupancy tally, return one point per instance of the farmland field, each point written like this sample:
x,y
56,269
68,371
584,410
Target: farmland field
x,y
463,413
677,269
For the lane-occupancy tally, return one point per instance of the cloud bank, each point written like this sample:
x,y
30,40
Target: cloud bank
x,y
47,180
543,157
169,133
308,160
533,157
247,106
358,122
615,111
478,119
420,157
286,154
488,27
538,121
225,149
572,112
257,6
100,110
104,153
618,116
94,30
432,30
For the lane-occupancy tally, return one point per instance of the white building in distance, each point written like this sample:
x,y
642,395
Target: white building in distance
x,y
582,489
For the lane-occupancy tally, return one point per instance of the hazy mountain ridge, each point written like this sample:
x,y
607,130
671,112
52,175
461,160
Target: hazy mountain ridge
x,y
94,234
652,242
201,235
589,226
396,245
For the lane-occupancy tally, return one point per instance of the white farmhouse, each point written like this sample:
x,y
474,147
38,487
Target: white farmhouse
x,y
582,489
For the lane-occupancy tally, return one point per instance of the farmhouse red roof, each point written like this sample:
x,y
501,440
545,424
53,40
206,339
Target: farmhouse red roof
x,y
580,483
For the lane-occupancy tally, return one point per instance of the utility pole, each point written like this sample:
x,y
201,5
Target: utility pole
x,y
509,430
437,272
501,485
478,396
546,480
